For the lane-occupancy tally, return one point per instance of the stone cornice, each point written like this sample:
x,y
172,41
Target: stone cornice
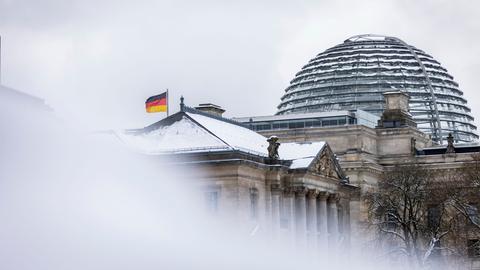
x,y
301,190
334,197
323,195
377,170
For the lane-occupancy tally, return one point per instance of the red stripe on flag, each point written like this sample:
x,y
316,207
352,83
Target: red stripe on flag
x,y
162,101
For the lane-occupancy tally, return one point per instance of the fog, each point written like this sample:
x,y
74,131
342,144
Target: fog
x,y
70,199
95,62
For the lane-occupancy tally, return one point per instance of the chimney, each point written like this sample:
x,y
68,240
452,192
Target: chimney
x,y
396,113
211,109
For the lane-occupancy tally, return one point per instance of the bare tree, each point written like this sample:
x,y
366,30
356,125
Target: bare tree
x,y
466,192
410,213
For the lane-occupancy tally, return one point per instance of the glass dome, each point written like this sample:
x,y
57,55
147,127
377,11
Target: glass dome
x,y
354,74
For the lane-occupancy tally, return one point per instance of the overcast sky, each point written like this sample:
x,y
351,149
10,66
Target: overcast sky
x,y
95,62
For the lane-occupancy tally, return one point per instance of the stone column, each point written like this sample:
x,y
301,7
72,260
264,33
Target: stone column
x,y
332,220
340,227
322,220
301,215
312,218
276,192
356,218
346,224
289,206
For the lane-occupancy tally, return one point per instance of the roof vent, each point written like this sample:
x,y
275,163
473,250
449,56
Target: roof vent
x,y
210,108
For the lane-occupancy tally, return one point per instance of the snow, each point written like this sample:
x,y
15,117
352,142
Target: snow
x,y
181,135
186,136
301,163
299,150
235,136
301,154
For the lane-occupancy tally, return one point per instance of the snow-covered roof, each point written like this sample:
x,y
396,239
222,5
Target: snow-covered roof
x,y
301,154
181,136
189,132
235,136
196,133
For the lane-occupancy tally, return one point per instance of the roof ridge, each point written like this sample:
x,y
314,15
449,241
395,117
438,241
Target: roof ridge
x,y
209,131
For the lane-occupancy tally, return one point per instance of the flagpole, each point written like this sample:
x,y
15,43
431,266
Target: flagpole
x,y
168,105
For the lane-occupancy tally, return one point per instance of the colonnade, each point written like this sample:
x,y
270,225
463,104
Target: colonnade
x,y
309,216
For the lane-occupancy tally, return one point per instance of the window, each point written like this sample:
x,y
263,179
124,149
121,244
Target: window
x,y
263,127
391,220
296,125
473,248
280,125
211,201
329,123
433,217
253,204
472,212
313,123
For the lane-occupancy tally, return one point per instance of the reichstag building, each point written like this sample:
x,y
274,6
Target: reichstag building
x,y
349,115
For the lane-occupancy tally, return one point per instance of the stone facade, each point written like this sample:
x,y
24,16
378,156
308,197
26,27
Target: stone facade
x,y
365,153
307,207
320,204
304,200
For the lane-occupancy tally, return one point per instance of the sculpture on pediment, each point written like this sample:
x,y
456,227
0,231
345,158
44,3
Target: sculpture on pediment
x,y
325,165
319,165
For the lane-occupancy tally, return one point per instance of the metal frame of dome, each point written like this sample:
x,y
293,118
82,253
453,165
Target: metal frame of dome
x,y
341,71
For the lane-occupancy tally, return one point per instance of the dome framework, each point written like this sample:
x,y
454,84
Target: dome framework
x,y
356,73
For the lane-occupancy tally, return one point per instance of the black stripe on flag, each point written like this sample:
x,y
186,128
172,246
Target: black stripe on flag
x,y
157,97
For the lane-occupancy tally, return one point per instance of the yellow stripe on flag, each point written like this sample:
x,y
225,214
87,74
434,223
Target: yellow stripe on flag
x,y
157,108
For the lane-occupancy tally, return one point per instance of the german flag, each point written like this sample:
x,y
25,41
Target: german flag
x,y
157,103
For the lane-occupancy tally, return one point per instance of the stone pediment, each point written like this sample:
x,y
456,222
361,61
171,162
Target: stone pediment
x,y
326,164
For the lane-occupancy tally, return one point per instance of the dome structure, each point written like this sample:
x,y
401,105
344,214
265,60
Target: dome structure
x,y
355,74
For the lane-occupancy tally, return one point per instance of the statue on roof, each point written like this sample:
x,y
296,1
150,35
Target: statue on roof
x,y
413,146
450,147
273,145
